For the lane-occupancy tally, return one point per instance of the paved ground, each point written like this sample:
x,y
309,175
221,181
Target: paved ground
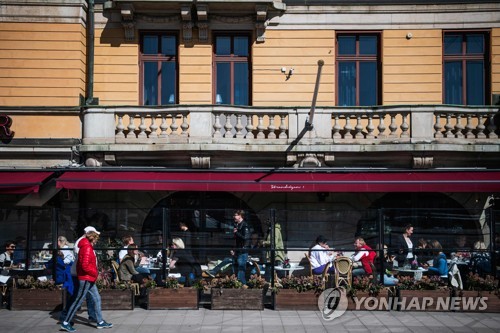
x,y
208,321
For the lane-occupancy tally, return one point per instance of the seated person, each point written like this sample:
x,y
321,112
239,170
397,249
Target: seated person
x,y
480,261
127,270
6,258
183,262
387,263
320,257
365,257
422,251
461,249
67,255
225,267
439,263
126,241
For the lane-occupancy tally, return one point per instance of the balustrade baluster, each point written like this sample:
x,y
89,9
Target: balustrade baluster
x,y
492,127
217,125
238,127
260,127
348,127
163,127
404,126
480,127
370,128
272,128
142,128
282,128
336,127
458,127
153,127
228,127
438,127
184,125
381,127
393,127
173,125
469,127
448,126
119,128
358,128
131,127
249,127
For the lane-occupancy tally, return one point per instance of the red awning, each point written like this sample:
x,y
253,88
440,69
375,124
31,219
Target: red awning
x,y
21,182
283,181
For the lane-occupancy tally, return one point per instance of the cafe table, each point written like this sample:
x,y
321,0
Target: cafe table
x,y
417,273
288,270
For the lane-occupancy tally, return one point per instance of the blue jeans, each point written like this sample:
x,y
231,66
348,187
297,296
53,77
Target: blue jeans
x,y
241,267
145,271
319,270
217,269
70,299
86,288
390,280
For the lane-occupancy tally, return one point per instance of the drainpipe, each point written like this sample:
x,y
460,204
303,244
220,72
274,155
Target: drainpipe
x,y
90,55
309,122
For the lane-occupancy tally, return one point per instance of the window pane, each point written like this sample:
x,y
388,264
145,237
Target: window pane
x,y
223,45
368,83
241,84
150,83
368,45
475,44
453,82
475,83
347,84
168,45
150,45
223,83
241,46
453,44
347,45
168,79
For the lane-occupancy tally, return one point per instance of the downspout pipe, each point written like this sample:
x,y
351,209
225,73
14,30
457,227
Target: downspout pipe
x,y
90,55
309,121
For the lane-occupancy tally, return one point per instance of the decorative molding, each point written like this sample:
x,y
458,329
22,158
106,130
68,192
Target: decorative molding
x,y
187,24
200,162
309,160
127,12
158,19
261,23
232,19
202,23
186,13
129,29
423,162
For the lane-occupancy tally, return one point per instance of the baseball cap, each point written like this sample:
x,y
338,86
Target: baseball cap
x,y
89,229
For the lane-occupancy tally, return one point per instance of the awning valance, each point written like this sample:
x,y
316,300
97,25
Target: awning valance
x,y
283,181
22,182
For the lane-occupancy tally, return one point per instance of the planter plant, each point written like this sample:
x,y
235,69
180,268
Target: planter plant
x,y
114,295
364,294
33,294
482,295
430,293
297,293
228,293
171,295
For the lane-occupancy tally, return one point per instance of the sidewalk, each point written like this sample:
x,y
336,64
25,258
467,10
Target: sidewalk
x,y
211,321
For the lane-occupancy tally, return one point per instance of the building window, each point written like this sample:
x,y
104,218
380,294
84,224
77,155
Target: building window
x,y
358,69
466,68
158,66
232,69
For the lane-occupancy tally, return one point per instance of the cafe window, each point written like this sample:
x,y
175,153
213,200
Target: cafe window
x,y
358,69
158,69
232,69
466,68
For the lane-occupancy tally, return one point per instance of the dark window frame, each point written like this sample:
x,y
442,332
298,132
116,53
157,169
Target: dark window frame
x,y
143,58
464,57
232,59
358,58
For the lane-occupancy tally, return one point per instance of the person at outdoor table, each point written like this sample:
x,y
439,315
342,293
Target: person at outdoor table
x,y
87,275
126,241
461,250
67,255
321,255
422,251
7,257
404,246
64,260
127,270
439,263
183,262
387,264
480,261
365,256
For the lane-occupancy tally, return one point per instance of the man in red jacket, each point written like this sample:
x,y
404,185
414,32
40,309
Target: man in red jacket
x,y
87,272
366,256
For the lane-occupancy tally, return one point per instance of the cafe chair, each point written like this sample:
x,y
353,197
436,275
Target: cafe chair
x,y
454,277
343,271
133,285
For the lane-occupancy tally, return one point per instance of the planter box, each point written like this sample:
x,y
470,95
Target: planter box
x,y
291,299
115,299
423,300
164,298
364,302
475,301
237,299
35,299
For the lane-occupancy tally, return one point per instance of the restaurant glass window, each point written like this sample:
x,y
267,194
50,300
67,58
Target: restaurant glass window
x,y
466,70
358,69
158,66
232,69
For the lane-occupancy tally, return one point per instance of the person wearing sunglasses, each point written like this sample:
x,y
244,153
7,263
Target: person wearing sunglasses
x,y
7,256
